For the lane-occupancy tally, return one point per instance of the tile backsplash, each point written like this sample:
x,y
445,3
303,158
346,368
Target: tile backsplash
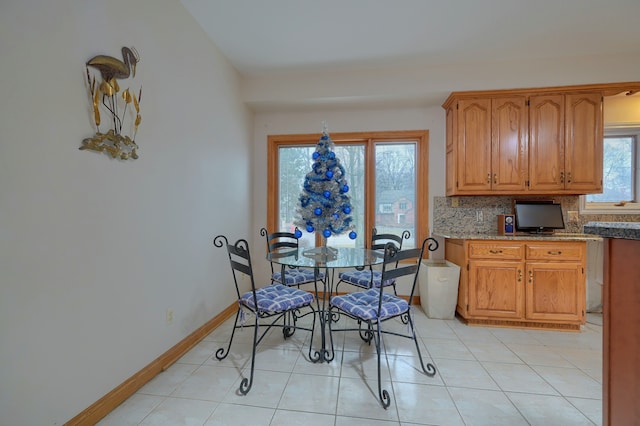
x,y
478,214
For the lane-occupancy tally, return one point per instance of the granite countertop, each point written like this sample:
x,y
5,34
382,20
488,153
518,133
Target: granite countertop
x,y
558,236
624,230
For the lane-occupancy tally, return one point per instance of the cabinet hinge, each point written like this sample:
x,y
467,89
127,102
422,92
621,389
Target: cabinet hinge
x,y
527,182
527,102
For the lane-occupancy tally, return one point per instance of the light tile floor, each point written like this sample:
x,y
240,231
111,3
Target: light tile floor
x,y
485,376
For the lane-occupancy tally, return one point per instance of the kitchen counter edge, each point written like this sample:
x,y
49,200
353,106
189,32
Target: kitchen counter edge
x,y
621,230
521,237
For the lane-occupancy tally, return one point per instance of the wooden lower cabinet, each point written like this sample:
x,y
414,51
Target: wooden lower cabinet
x,y
520,284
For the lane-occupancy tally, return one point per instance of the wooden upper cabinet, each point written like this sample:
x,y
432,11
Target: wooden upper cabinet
x,y
584,142
546,142
566,136
527,141
451,173
488,142
509,144
474,145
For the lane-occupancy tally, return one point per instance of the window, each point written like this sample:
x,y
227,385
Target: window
x,y
386,208
387,176
620,177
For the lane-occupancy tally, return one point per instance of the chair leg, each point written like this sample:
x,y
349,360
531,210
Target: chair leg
x,y
385,400
246,383
220,353
430,370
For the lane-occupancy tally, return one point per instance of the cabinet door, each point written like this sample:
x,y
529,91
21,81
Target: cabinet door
x,y
555,291
546,142
451,152
509,137
474,145
583,142
496,289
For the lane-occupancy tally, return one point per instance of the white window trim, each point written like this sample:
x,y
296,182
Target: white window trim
x,y
615,208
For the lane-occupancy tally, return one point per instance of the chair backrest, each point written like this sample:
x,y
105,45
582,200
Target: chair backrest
x,y
379,241
279,241
240,260
398,263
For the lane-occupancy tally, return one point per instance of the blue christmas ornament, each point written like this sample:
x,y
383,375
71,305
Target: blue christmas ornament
x,y
310,228
317,211
336,216
332,155
326,194
326,233
345,188
298,233
315,155
346,210
352,235
329,174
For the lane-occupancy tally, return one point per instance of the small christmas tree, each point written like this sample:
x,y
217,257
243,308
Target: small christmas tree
x,y
324,204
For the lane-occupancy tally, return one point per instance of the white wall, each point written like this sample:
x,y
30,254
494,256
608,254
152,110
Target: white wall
x,y
93,251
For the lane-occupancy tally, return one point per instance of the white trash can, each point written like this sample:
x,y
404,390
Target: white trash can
x,y
438,283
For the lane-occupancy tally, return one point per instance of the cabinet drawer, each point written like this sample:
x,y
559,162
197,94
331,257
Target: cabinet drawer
x,y
555,251
497,250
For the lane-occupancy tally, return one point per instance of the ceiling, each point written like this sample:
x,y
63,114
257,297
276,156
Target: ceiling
x,y
267,38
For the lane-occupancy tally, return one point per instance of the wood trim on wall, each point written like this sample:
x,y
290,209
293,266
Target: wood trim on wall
x,y
99,409
422,184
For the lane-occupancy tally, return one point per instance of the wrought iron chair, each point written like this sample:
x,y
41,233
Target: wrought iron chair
x,y
271,306
370,277
373,307
293,276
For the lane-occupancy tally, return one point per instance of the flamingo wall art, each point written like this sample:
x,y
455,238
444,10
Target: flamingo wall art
x,y
122,109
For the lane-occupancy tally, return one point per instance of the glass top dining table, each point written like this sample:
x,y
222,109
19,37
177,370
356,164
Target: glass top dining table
x,y
325,258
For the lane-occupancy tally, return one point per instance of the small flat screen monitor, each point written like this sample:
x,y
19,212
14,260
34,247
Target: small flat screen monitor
x,y
537,217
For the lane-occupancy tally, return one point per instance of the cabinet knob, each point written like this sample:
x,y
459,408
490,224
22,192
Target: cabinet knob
x,y
489,178
495,178
561,177
569,177
519,275
531,277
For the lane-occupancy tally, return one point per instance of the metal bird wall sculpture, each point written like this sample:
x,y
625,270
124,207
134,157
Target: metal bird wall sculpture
x,y
106,95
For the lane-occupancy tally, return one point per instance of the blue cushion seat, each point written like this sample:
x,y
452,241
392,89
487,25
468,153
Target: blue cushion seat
x,y
277,298
296,276
364,278
364,304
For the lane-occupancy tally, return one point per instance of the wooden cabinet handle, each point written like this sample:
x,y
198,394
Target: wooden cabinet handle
x,y
495,251
557,252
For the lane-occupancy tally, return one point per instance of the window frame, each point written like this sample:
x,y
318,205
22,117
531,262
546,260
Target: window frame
x,y
368,139
612,208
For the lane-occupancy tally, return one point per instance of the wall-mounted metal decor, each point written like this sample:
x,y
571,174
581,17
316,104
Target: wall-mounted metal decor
x,y
122,109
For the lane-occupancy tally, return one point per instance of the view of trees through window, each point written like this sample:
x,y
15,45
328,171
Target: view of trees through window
x,y
382,175
618,170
